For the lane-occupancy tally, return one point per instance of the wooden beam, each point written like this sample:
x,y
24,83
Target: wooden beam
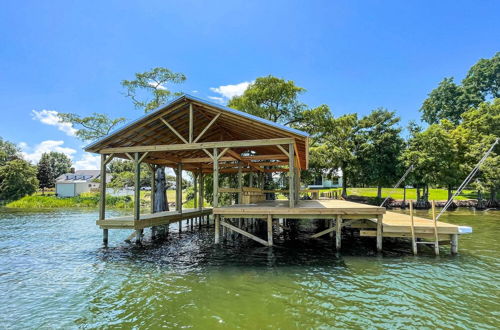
x,y
324,232
240,183
222,153
129,156
190,123
137,195
197,146
174,130
237,156
143,156
110,158
205,160
283,151
207,127
244,233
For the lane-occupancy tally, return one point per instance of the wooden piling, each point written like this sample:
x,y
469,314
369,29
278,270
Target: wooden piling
x,y
338,233
436,236
137,195
102,200
454,244
379,232
217,228
270,230
412,228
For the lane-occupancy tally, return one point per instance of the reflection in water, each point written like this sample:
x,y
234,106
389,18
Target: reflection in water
x,y
53,273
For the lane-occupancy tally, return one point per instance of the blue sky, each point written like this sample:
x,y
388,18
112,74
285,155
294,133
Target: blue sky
x,y
70,56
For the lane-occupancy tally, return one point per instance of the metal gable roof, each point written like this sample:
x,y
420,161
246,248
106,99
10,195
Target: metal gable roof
x,y
208,103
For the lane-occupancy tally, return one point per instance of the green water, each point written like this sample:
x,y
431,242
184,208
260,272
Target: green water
x,y
54,274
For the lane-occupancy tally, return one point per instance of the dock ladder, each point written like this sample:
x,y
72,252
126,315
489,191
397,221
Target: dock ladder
x,y
436,235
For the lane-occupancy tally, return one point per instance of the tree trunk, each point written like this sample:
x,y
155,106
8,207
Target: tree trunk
x,y
160,193
449,192
418,192
379,191
268,179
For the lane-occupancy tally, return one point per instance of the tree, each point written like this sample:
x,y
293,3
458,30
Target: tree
x,y
274,99
483,78
380,148
8,151
447,101
50,166
98,125
152,83
91,127
271,98
60,163
45,173
17,179
482,127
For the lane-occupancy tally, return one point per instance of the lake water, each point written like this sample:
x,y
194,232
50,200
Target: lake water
x,y
55,274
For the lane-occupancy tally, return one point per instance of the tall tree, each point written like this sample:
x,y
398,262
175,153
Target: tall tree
x,y
45,173
8,151
151,87
447,101
271,98
380,148
274,99
17,179
50,166
483,78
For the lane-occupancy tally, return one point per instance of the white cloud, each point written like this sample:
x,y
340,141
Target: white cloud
x,y
50,117
194,91
88,162
156,85
217,99
229,91
33,154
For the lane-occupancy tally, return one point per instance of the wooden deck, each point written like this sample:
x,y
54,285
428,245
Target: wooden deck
x,y
372,221
152,219
317,209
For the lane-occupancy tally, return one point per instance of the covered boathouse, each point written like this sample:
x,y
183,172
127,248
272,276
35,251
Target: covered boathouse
x,y
191,134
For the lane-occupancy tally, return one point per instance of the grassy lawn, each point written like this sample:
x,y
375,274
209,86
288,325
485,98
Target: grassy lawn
x,y
434,194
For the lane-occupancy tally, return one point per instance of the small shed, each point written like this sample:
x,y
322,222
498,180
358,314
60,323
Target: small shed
x,y
73,184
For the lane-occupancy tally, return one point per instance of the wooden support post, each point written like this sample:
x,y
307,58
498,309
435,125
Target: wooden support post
x,y
102,200
454,244
331,221
270,230
379,232
178,188
240,183
413,239
152,200
250,179
291,176
195,190
436,236
201,193
338,233
297,184
137,195
216,179
217,228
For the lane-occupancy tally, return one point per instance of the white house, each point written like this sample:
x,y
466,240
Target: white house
x,y
73,184
323,181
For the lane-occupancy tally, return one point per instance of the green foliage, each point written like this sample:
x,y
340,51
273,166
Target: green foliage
x,y
17,179
8,151
84,200
91,127
483,79
449,100
50,166
271,98
152,83
380,147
